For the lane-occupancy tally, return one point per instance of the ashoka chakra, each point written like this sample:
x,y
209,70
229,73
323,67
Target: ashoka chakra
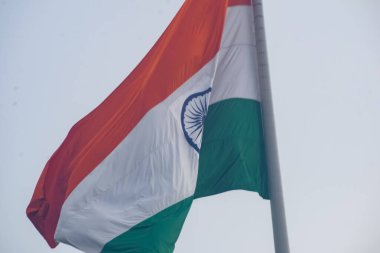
x,y
193,115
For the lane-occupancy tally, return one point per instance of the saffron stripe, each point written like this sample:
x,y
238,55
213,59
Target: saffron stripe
x,y
184,48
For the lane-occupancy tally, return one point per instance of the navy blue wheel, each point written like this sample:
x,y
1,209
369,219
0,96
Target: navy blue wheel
x,y
193,115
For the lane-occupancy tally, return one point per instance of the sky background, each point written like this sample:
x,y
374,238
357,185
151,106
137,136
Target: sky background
x,y
60,59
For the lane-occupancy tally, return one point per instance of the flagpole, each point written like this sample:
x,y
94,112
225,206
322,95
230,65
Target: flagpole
x,y
280,234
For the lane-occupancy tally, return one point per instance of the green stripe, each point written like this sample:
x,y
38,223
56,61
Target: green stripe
x,y
155,234
232,155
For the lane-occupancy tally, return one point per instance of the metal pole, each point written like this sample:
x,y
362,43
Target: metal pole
x,y
280,234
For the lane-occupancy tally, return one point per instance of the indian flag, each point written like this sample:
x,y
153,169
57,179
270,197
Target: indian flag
x,y
186,123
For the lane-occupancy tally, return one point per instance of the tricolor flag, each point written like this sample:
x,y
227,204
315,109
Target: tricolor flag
x,y
185,124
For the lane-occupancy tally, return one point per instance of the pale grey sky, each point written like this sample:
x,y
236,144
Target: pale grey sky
x,y
59,59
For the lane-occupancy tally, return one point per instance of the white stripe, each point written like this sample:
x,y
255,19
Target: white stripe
x,y
153,167
237,75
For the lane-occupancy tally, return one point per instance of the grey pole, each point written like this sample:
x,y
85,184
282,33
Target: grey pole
x,y
280,234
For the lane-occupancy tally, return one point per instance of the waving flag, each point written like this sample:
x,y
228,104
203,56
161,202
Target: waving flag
x,y
186,123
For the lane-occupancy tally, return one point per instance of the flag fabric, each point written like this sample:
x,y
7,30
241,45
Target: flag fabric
x,y
185,124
